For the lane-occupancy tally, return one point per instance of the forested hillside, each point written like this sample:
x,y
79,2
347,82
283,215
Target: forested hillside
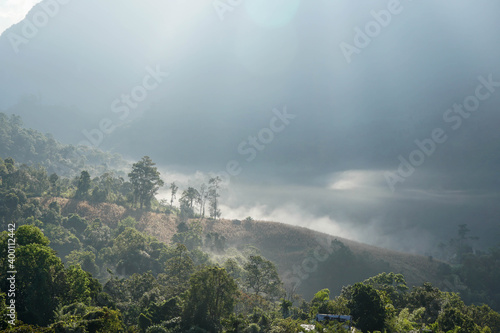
x,y
28,146
95,251
87,261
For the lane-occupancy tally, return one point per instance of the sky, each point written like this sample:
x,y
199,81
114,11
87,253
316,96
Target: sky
x,y
376,121
13,11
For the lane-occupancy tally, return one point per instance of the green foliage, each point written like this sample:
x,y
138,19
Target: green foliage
x,y
262,277
3,312
83,186
156,329
30,146
213,195
78,317
79,286
144,322
428,297
28,234
179,268
210,298
40,283
145,180
159,288
192,237
391,285
452,319
75,222
367,309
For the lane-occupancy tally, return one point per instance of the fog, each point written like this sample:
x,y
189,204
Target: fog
x,y
376,121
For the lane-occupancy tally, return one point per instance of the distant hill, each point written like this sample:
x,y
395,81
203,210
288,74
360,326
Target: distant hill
x,y
31,147
288,246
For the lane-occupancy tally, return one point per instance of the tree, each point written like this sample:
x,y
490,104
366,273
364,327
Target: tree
x,y
83,186
210,298
40,283
262,276
213,194
391,284
145,180
178,268
451,319
202,199
189,197
428,297
55,189
367,309
173,192
28,234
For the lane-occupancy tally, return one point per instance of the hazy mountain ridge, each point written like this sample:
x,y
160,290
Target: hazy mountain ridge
x,y
31,147
285,245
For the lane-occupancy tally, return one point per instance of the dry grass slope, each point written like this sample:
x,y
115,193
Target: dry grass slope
x,y
284,244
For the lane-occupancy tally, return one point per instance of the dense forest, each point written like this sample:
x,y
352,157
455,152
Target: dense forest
x,y
34,148
75,274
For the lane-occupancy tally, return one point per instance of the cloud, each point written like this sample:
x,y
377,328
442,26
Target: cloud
x,y
13,11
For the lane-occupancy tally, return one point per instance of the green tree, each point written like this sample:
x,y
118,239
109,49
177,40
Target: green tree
x,y
173,193
188,199
210,299
55,188
178,268
28,234
41,283
202,199
367,308
454,319
428,297
213,195
145,180
262,277
319,303
391,285
83,185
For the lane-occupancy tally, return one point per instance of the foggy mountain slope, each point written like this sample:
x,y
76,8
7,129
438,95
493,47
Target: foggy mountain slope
x,y
288,246
205,85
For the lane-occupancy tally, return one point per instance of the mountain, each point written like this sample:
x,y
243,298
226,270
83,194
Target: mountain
x,y
31,147
306,259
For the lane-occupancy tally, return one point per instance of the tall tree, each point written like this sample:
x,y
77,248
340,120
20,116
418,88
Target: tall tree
x,y
213,194
262,277
83,186
210,298
54,188
367,308
145,180
202,198
173,192
189,197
